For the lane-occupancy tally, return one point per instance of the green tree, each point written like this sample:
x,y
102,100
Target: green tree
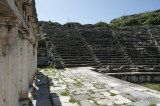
x,y
154,19
142,19
56,24
129,22
101,25
72,24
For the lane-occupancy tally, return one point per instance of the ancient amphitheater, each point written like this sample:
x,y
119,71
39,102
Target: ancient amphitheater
x,y
95,67
114,51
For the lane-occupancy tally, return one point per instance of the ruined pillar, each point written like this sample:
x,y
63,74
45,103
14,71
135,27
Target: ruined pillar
x,y
25,70
35,58
23,67
8,64
20,48
31,64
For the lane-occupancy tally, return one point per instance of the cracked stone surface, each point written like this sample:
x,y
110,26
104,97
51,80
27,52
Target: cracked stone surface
x,y
83,87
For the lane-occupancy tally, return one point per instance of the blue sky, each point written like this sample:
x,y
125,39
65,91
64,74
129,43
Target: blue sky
x,y
91,11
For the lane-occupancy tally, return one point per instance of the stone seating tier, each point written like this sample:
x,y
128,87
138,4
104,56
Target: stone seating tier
x,y
116,48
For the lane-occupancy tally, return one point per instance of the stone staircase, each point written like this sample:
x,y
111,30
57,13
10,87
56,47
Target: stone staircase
x,y
140,48
72,50
106,49
116,50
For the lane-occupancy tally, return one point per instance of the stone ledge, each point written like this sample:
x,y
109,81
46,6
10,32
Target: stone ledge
x,y
134,73
137,77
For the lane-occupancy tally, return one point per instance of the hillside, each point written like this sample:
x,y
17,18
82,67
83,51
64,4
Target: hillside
x,y
142,19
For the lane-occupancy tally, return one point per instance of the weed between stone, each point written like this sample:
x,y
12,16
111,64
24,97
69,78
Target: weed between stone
x,y
115,105
102,98
72,100
99,86
64,94
96,103
105,105
91,91
113,94
152,105
73,92
56,86
79,83
67,85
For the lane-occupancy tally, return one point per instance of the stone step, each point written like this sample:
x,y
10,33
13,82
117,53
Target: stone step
x,y
145,63
145,53
64,48
111,58
68,45
107,55
113,62
94,43
79,62
66,41
79,65
149,70
74,53
79,59
67,49
96,39
142,56
76,57
145,59
139,53
136,48
106,61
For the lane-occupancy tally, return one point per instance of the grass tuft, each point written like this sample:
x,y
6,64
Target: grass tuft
x,y
91,91
64,93
113,94
152,105
72,100
152,86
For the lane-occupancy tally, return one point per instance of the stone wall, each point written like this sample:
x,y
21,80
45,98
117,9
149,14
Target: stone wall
x,y
18,48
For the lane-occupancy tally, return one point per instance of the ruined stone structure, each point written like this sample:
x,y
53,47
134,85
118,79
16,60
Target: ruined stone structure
x,y
126,50
18,49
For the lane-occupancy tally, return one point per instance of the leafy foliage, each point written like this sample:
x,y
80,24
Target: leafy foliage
x,y
55,24
142,19
72,24
101,25
42,43
88,26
